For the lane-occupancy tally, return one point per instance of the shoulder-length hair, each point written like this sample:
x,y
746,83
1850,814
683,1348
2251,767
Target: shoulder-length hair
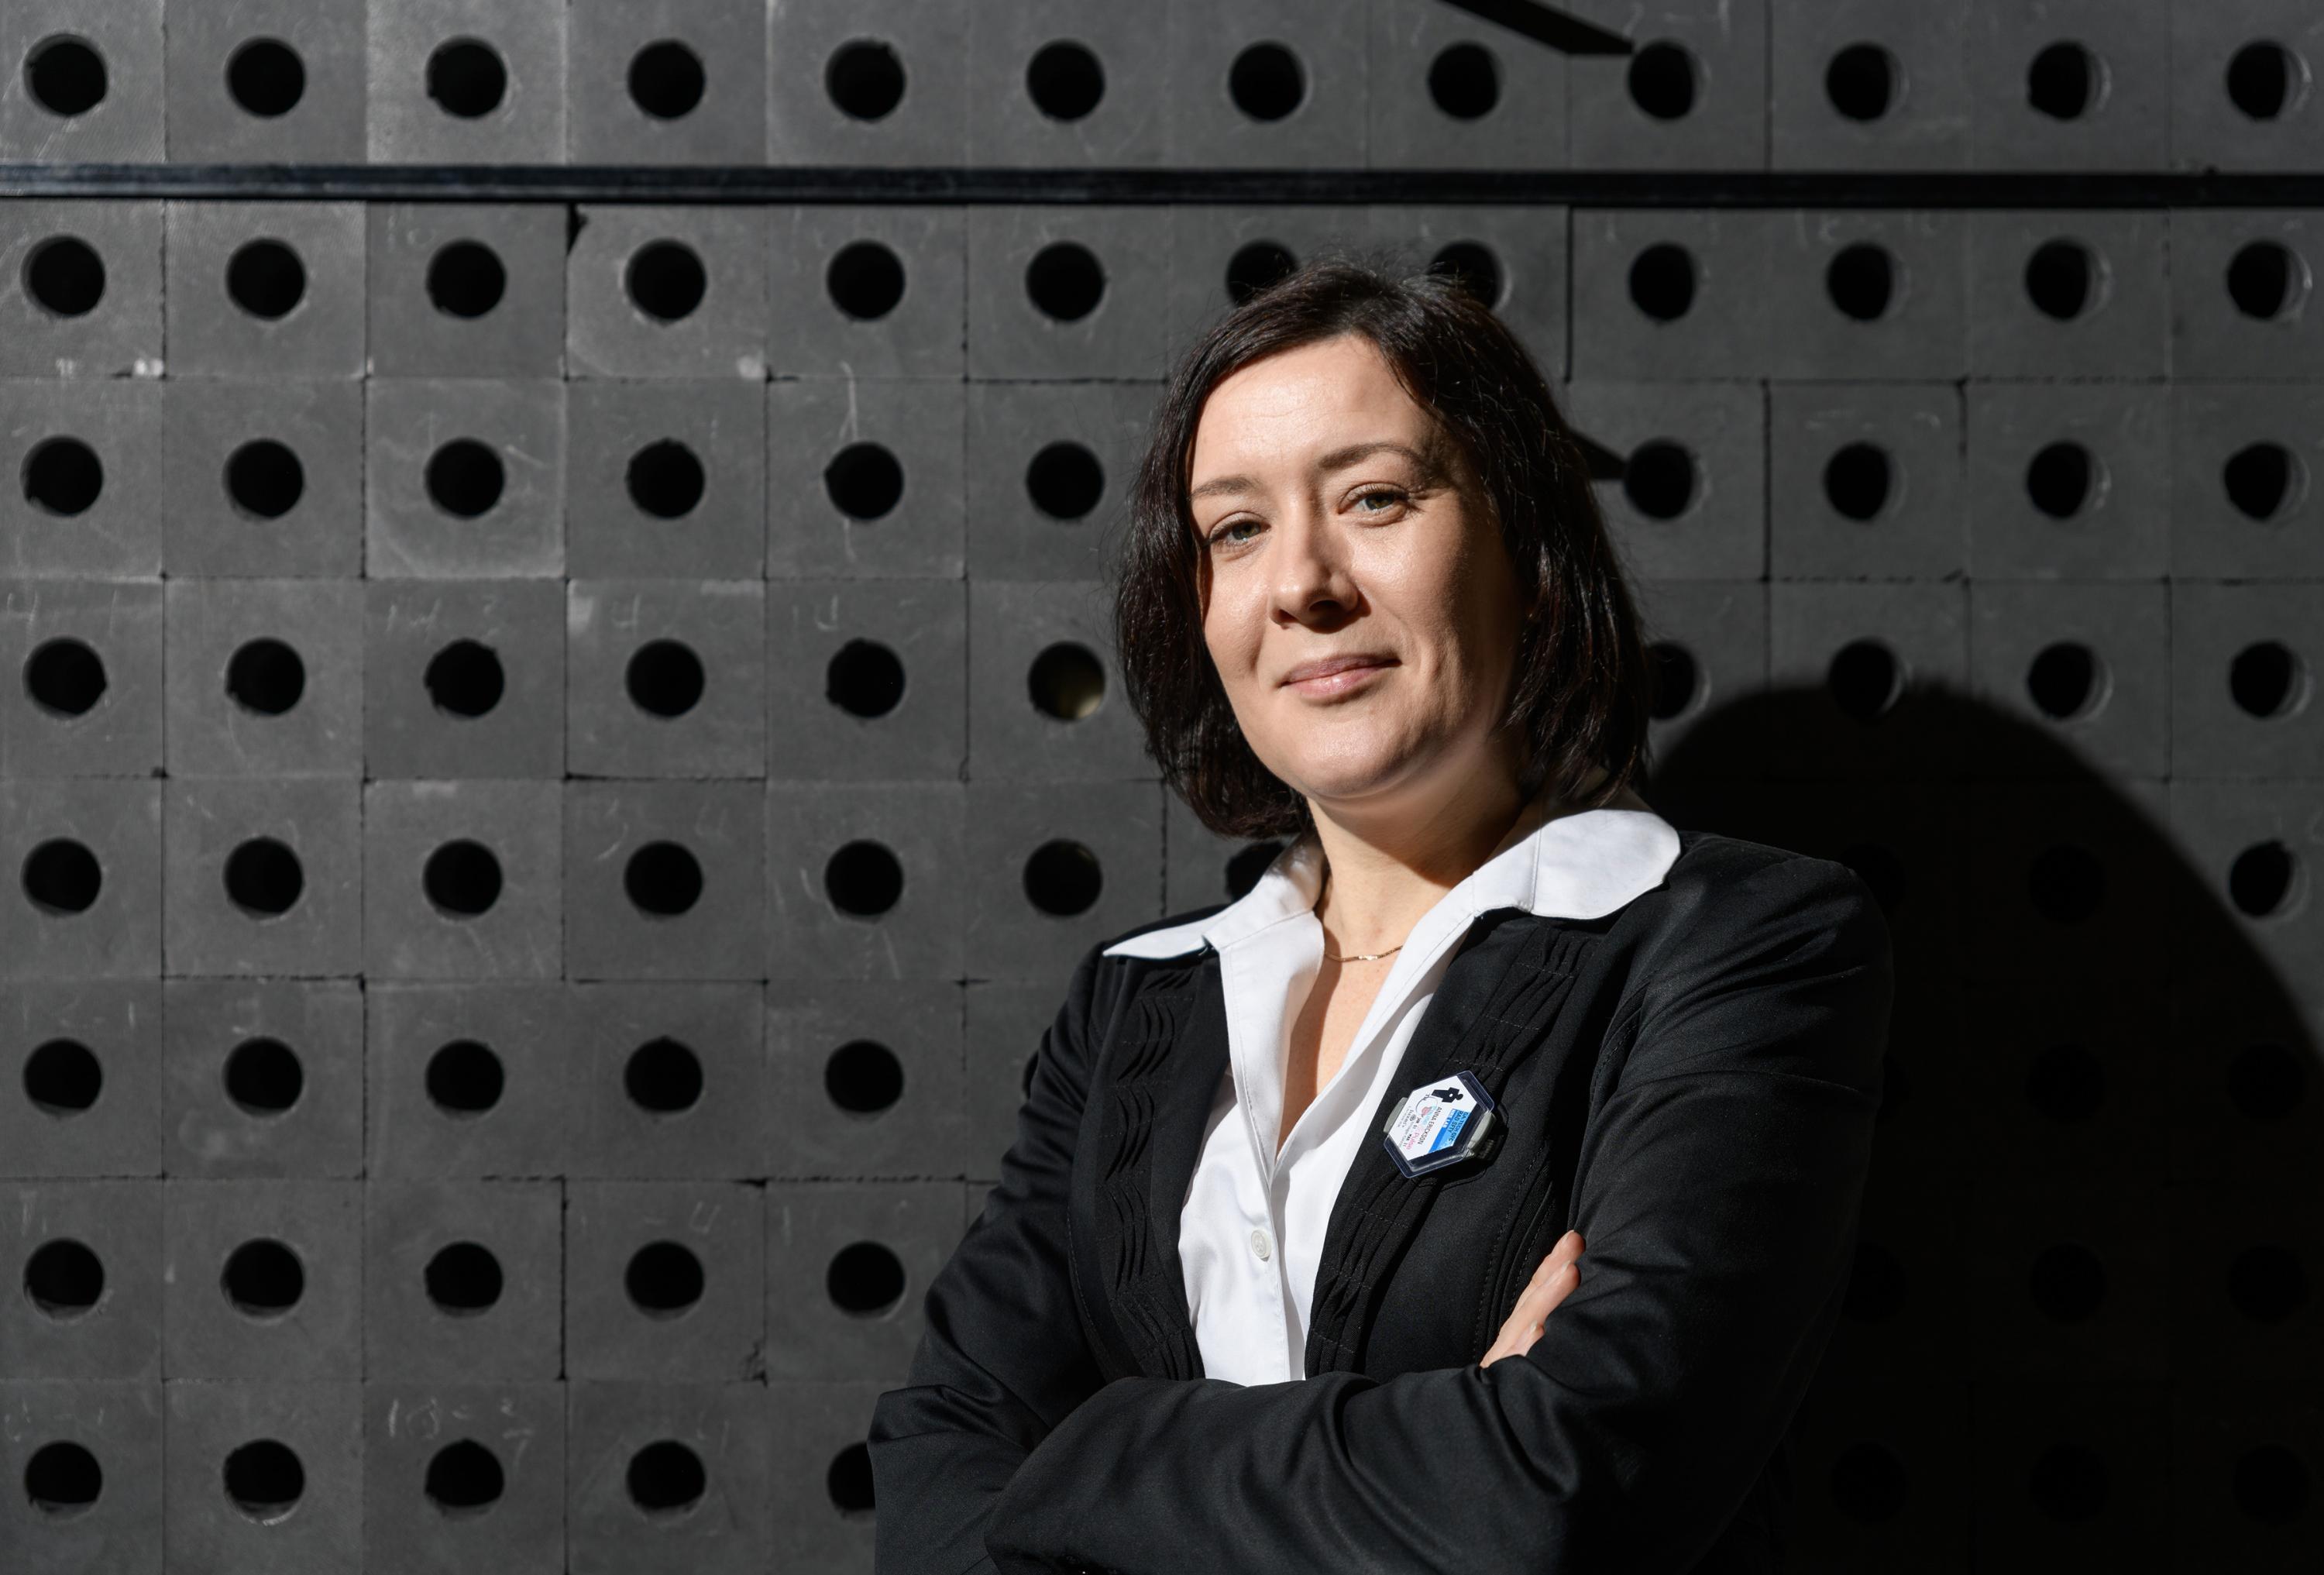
x,y
1583,688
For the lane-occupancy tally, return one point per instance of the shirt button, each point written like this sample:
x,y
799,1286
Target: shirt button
x,y
1259,1244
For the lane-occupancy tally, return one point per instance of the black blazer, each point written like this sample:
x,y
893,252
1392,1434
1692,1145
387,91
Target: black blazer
x,y
1691,1081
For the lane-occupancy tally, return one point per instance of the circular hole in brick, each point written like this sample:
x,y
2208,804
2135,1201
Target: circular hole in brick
x,y
2267,679
2061,278
847,1482
1066,682
2063,480
65,75
265,77
1064,282
1064,81
263,1479
2069,1483
2271,1485
663,1279
666,280
466,78
864,1077
1869,1484
662,879
864,480
1244,866
463,1278
1663,80
864,1279
464,1478
64,677
666,80
2268,1081
465,679
64,1078
263,1077
64,277
864,679
664,678
63,1279
2065,81
2266,278
865,279
61,876
464,478
62,1479
263,878
666,479
1877,1288
1861,282
2266,1283
461,878
863,879
2265,880
1659,479
2066,681
465,1079
264,479
864,80
1879,868
1866,680
265,677
1471,266
2263,481
2066,884
62,476
2265,79
1464,82
1857,481
465,279
1662,281
264,1278
1064,481
266,278
2068,1284
2066,1083
1063,878
1267,81
666,1480
1861,82
663,1077
1675,680
1257,265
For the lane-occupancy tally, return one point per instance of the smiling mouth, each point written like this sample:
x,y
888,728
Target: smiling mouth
x,y
1343,681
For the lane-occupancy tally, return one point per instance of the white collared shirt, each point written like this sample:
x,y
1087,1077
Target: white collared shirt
x,y
1250,1232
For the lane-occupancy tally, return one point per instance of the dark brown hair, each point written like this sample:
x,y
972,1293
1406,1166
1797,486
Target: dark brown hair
x,y
1581,692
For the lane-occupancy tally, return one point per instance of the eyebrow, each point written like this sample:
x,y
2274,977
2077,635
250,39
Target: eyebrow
x,y
1337,459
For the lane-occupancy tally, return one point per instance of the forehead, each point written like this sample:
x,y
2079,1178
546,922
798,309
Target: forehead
x,y
1309,395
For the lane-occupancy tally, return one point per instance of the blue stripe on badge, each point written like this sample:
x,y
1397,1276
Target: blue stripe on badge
x,y
1451,1129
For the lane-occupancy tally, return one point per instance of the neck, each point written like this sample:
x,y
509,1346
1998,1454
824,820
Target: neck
x,y
1388,860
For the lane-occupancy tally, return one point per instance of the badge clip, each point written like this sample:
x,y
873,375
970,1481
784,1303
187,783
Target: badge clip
x,y
1442,1123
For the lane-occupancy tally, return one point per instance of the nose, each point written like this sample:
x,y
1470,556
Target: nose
x,y
1312,575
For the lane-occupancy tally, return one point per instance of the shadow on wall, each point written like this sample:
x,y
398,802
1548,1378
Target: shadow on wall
x,y
2083,1329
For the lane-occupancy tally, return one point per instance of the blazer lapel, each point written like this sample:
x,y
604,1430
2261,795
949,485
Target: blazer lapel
x,y
1492,1008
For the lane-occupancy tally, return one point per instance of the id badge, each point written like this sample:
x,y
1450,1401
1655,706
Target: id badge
x,y
1442,1123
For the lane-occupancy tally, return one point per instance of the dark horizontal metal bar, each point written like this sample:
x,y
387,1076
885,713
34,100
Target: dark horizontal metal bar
x,y
1934,188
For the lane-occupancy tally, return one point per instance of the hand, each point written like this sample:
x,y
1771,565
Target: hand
x,y
1559,1273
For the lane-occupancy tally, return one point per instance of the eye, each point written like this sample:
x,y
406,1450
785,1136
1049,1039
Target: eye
x,y
1225,533
1389,492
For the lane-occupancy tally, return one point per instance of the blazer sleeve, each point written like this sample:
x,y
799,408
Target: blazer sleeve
x,y
1002,1358
1717,1193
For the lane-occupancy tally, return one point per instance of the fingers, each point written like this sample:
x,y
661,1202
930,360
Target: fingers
x,y
1554,1278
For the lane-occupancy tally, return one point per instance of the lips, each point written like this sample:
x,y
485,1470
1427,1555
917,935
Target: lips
x,y
1326,665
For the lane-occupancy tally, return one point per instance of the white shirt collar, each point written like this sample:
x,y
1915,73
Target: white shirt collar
x,y
1575,864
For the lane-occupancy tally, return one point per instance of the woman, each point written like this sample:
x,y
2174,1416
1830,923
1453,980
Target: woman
x,y
1244,1298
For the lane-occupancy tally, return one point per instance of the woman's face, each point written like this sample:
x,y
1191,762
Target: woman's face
x,y
1335,519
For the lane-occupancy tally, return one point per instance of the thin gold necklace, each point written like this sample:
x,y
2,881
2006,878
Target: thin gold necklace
x,y
1360,956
